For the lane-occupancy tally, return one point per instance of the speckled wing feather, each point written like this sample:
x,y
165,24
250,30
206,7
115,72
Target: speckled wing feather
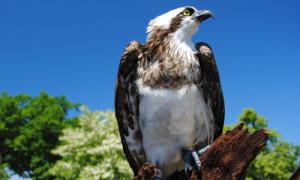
x,y
127,104
210,83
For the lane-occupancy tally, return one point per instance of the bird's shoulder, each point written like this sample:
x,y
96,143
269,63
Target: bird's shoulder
x,y
205,51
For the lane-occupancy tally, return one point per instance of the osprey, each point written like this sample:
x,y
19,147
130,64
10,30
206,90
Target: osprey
x,y
168,98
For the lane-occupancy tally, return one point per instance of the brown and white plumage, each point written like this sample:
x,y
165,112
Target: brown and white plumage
x,y
168,95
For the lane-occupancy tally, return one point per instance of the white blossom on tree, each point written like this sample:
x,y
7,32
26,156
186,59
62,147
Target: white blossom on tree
x,y
93,150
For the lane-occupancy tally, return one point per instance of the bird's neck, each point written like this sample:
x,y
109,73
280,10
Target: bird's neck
x,y
177,46
170,63
183,35
182,48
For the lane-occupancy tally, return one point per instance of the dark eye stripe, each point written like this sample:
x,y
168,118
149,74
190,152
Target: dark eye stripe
x,y
189,9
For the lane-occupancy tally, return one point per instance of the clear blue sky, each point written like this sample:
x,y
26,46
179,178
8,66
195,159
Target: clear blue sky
x,y
73,48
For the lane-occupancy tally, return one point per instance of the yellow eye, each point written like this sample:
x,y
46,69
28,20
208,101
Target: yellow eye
x,y
186,12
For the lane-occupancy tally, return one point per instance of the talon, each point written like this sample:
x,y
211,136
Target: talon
x,y
191,157
202,151
158,176
197,161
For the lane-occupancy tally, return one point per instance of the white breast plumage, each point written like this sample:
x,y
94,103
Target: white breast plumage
x,y
172,120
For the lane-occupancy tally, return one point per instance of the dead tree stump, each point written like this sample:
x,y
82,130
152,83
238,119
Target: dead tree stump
x,y
228,157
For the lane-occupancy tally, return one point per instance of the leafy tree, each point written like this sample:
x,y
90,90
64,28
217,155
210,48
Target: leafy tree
x,y
278,159
29,129
3,174
93,150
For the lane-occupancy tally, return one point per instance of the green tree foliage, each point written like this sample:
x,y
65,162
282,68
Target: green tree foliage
x,y
93,150
278,159
3,174
29,129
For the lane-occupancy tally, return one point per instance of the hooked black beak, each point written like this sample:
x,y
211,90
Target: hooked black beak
x,y
203,15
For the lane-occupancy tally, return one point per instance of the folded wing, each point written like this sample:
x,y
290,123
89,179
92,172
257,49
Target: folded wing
x,y
127,106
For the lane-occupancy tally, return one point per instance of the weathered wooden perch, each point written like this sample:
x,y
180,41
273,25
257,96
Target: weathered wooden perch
x,y
228,157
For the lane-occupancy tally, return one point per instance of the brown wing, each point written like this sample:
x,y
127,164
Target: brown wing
x,y
211,85
126,106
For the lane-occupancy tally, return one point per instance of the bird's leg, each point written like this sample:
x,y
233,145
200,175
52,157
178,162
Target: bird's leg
x,y
187,156
193,157
158,177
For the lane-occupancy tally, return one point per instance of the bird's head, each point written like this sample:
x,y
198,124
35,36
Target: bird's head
x,y
180,23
